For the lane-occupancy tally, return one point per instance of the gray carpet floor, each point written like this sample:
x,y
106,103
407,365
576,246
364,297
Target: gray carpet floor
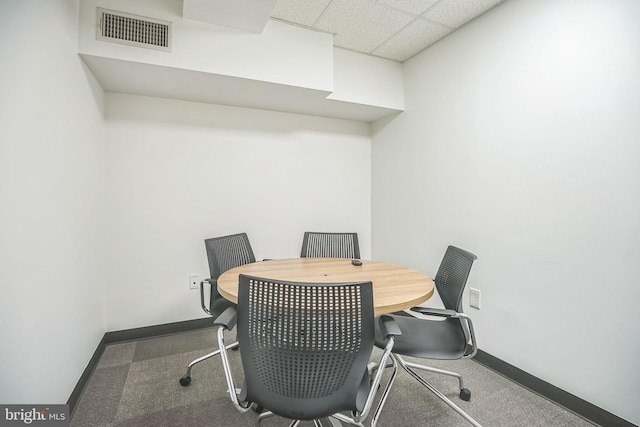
x,y
136,384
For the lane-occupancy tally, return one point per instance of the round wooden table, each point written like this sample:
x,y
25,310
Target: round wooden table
x,y
395,287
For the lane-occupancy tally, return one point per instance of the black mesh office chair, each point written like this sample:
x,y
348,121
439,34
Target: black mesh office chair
x,y
305,349
330,245
448,339
223,253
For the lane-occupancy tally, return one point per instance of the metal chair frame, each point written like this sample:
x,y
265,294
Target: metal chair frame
x,y
410,368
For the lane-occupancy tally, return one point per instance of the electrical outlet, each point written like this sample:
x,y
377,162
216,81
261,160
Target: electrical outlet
x,y
194,283
474,298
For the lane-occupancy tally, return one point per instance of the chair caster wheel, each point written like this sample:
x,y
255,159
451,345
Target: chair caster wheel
x,y
465,394
185,381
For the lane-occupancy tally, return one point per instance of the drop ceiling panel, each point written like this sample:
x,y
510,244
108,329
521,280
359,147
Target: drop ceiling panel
x,y
392,29
361,25
416,37
415,7
301,12
455,13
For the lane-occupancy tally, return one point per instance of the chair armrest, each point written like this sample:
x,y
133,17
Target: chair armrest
x,y
211,283
388,326
452,314
228,318
440,312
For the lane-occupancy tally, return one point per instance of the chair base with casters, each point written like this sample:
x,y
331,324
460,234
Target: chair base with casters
x,y
449,338
186,379
465,394
218,305
307,365
223,253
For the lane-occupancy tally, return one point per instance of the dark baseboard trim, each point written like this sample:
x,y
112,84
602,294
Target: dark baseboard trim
x,y
157,330
84,378
131,335
567,400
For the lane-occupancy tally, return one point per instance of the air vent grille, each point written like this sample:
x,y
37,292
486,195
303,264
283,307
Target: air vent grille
x,y
133,30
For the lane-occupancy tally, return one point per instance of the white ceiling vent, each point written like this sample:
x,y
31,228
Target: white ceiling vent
x,y
133,30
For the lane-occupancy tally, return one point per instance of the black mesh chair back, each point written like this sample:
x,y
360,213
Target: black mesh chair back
x,y
305,347
452,276
225,253
330,245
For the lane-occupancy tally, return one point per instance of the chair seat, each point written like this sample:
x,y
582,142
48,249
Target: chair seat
x,y
429,339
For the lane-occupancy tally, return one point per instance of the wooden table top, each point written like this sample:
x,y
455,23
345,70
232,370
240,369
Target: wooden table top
x,y
395,287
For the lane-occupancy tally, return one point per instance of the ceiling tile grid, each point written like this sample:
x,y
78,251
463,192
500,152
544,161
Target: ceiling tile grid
x,y
456,13
361,25
392,29
415,37
415,7
300,12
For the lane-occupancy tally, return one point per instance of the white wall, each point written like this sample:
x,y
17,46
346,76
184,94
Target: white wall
x,y
520,142
178,172
381,84
51,198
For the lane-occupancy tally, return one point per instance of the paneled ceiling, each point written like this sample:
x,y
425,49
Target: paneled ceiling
x,y
393,29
